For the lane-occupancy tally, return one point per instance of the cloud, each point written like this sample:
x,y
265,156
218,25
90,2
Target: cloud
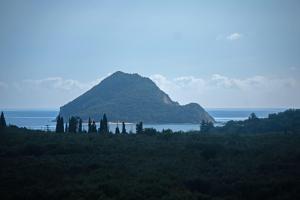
x,y
234,36
216,90
50,92
59,83
223,91
163,83
223,81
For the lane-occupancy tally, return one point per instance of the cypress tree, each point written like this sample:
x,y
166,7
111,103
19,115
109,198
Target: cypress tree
x,y
73,125
57,124
93,127
61,125
80,126
101,126
2,121
117,130
123,128
89,125
105,124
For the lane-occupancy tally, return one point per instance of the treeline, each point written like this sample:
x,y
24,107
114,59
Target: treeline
x,y
287,122
74,125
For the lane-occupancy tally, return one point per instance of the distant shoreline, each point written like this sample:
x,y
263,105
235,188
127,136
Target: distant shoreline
x,y
208,108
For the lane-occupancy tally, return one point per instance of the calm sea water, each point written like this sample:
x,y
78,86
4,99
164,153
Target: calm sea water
x,y
43,119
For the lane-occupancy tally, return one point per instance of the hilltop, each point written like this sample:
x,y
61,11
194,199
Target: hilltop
x,y
132,98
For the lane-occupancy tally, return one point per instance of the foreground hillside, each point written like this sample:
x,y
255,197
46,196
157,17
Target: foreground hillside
x,y
181,166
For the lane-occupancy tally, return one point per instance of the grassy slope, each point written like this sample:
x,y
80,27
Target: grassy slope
x,y
186,166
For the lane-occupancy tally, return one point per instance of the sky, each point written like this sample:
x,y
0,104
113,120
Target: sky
x,y
220,54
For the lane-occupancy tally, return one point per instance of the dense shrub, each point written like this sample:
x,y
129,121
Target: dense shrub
x,y
37,165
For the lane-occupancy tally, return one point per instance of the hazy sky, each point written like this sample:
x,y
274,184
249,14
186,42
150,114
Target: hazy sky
x,y
216,53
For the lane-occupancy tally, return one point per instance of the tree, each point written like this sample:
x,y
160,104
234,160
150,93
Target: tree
x,y
117,130
80,126
105,124
206,126
89,125
101,126
150,131
59,124
93,127
139,128
253,116
123,128
167,131
2,122
73,124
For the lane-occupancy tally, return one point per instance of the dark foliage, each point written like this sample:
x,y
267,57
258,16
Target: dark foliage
x,y
73,124
103,129
206,127
36,165
105,124
90,125
59,124
100,130
150,131
139,128
287,122
224,164
2,122
80,125
93,128
123,128
167,131
117,130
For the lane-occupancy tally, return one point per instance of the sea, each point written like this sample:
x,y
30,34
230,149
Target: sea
x,y
45,119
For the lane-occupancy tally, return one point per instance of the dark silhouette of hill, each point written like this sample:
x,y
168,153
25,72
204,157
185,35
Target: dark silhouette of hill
x,y
132,98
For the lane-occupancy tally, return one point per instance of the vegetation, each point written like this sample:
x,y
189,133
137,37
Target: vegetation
x,y
53,166
123,128
284,122
287,122
90,125
2,122
59,124
104,125
117,130
94,127
73,125
139,128
206,127
224,163
80,126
